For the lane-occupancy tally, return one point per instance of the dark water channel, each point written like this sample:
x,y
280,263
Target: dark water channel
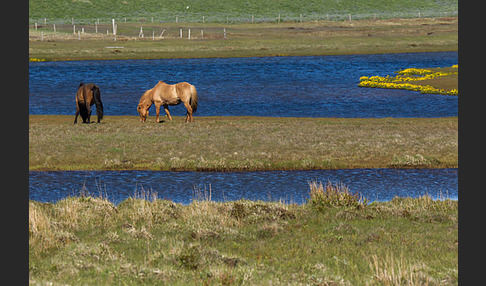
x,y
289,186
314,86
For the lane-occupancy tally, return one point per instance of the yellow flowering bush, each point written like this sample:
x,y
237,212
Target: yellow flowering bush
x,y
414,71
36,60
406,76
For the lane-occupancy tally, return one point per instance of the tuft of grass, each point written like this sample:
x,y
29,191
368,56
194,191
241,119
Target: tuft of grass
x,y
334,195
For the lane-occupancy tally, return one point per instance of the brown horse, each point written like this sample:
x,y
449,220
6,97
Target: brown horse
x,y
87,95
163,94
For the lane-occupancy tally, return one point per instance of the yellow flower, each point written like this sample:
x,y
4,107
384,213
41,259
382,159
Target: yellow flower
x,y
36,60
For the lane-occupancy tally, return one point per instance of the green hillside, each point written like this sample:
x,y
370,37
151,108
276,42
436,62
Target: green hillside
x,y
234,11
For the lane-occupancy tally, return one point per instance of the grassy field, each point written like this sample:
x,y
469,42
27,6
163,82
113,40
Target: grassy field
x,y
333,239
236,10
241,143
244,40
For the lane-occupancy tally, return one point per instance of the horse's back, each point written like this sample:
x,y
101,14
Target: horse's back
x,y
184,89
86,93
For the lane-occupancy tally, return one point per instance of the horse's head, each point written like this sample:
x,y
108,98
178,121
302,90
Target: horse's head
x,y
143,111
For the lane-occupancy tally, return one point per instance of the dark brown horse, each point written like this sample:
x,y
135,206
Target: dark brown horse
x,y
87,95
163,94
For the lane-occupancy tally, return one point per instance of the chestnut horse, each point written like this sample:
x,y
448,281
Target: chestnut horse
x,y
163,94
87,95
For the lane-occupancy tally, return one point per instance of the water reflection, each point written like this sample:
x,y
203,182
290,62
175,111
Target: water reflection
x,y
290,186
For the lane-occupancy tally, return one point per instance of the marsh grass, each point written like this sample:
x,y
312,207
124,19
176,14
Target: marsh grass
x,y
146,240
241,143
334,195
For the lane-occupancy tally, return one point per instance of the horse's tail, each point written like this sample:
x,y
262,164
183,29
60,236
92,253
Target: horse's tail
x,y
97,100
193,99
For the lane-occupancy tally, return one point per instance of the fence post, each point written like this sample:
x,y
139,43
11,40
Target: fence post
x,y
349,17
35,26
188,34
54,27
224,33
180,33
74,29
42,36
96,28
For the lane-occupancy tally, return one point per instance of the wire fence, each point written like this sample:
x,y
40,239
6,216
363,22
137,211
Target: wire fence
x,y
176,27
248,18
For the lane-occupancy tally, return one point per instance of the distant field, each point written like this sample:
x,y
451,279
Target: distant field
x,y
233,11
162,40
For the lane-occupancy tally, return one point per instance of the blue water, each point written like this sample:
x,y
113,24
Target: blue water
x,y
313,86
288,186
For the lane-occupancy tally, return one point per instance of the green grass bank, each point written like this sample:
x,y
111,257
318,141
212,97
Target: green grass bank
x,y
241,143
333,239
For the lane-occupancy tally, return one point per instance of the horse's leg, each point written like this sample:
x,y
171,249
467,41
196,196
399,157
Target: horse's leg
x,y
189,112
157,112
166,107
88,108
76,115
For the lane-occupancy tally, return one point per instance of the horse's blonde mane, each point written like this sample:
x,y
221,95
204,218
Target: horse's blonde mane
x,y
146,98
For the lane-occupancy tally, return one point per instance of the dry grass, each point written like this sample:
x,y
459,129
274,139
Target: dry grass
x,y
248,40
241,143
333,195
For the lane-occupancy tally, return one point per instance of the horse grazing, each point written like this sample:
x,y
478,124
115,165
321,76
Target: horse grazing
x,y
87,95
163,94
